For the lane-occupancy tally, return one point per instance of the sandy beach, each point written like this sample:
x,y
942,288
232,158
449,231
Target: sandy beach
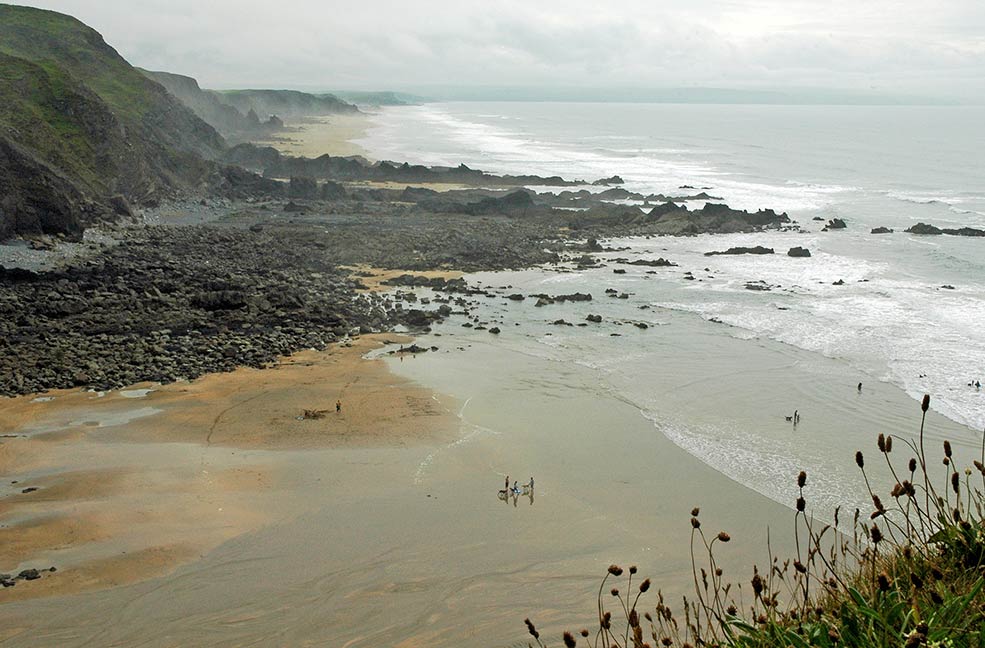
x,y
316,136
118,487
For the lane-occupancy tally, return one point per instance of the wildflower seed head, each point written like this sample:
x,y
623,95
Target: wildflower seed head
x,y
801,479
956,482
883,580
925,405
614,591
881,442
889,444
915,580
801,504
876,534
757,584
723,537
569,641
633,569
615,570
531,629
584,632
695,511
695,523
913,465
859,460
645,585
947,449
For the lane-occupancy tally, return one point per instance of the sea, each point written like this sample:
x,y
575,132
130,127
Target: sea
x,y
899,313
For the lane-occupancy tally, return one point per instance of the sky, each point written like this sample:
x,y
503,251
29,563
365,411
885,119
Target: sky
x,y
933,48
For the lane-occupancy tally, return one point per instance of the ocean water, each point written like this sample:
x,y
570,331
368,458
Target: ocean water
x,y
909,317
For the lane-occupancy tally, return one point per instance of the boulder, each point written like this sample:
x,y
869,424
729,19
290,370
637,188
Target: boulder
x,y
798,252
881,230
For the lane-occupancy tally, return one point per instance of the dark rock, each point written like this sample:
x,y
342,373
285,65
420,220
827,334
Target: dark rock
x,y
618,271
594,318
881,230
835,223
798,252
743,250
840,282
614,180
121,206
494,330
924,228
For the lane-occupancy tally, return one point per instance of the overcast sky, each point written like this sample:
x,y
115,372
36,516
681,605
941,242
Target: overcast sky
x,y
895,46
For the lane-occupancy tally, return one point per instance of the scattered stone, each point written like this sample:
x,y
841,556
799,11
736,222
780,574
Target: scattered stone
x,y
881,230
798,252
597,319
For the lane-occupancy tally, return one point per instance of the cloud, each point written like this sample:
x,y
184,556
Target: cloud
x,y
935,45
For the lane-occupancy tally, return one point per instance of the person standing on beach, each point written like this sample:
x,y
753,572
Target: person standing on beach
x,y
338,406
507,485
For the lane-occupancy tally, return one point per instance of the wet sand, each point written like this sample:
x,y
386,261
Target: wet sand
x,y
315,136
411,547
130,484
373,278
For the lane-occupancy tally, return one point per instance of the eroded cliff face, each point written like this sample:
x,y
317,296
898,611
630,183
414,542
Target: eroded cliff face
x,y
79,125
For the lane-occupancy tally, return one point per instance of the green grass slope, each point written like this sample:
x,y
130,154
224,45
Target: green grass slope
x,y
75,114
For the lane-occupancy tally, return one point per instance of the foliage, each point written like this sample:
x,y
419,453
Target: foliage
x,y
911,574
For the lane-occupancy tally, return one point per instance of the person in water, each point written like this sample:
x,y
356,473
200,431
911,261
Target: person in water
x,y
860,388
